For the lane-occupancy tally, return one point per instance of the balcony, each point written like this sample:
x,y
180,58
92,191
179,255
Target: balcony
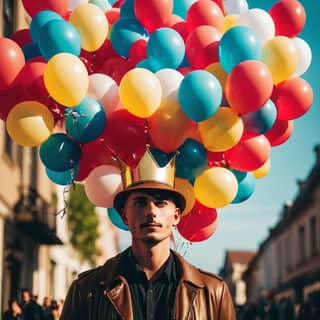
x,y
35,217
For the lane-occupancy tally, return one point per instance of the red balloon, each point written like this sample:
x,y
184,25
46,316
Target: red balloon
x,y
125,135
199,224
112,15
153,14
33,7
293,98
289,17
250,153
280,132
11,62
248,86
181,28
204,12
138,51
216,159
202,46
103,54
84,169
21,37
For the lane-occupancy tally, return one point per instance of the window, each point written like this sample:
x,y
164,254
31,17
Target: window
x,y
301,244
313,235
288,253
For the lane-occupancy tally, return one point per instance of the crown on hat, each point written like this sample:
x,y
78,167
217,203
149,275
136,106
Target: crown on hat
x,y
148,170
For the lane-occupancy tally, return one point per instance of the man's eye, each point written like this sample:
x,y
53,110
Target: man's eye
x,y
161,203
140,203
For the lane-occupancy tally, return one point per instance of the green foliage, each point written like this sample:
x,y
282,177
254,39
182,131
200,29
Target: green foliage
x,y
83,224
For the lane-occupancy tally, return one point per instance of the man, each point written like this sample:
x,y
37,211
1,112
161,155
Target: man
x,y
148,280
31,310
14,311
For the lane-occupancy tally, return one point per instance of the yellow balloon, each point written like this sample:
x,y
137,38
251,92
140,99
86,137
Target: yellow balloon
x,y
216,187
66,79
30,123
263,170
281,56
229,21
222,131
217,70
185,187
140,92
92,25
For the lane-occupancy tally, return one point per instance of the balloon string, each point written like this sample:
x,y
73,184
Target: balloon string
x,y
62,212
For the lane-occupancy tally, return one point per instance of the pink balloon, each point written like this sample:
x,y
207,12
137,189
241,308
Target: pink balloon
x,y
280,132
33,7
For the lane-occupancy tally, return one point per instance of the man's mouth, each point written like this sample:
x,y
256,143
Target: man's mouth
x,y
150,224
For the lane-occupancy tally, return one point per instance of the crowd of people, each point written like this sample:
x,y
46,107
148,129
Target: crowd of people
x,y
29,309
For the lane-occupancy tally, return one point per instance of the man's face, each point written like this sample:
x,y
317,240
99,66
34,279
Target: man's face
x,y
25,296
150,216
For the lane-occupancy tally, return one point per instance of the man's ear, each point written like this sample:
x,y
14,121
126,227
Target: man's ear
x,y
177,216
123,216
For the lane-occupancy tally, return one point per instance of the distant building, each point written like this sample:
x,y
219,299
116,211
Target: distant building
x,y
235,264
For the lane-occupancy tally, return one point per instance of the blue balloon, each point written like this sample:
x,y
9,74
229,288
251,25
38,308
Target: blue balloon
x,y
150,64
166,46
86,121
246,185
58,36
116,219
63,178
181,7
127,9
31,50
262,120
60,152
239,44
104,5
199,95
124,33
39,20
192,160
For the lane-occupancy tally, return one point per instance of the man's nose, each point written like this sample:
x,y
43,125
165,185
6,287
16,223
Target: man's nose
x,y
151,207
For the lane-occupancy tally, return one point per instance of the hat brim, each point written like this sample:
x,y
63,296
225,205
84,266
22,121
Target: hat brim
x,y
120,198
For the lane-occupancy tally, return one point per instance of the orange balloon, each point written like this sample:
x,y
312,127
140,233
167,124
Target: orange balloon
x,y
185,187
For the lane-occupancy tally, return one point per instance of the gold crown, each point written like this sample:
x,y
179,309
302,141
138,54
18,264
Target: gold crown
x,y
148,170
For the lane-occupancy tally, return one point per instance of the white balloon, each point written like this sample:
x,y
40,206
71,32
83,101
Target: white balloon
x,y
73,4
305,56
235,6
170,80
104,89
260,21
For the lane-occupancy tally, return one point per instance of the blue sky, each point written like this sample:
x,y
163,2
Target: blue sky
x,y
245,226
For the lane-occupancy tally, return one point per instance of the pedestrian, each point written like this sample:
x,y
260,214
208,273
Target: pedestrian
x,y
31,310
14,312
46,307
148,280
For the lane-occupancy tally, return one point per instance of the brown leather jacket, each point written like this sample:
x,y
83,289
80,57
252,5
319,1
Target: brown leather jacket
x,y
102,293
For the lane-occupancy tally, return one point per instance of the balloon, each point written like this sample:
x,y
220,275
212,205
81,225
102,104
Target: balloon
x,y
66,79
199,224
29,123
166,46
125,135
11,62
235,6
92,25
21,37
199,95
186,189
31,52
263,170
140,92
230,21
153,14
127,9
102,184
216,187
60,153
281,57
204,12
289,17
262,120
191,160
124,33
138,51
104,5
260,21
73,4
280,132
293,98
104,89
249,76
222,131
217,70
238,44
216,159
63,178
168,127
116,219
86,121
181,7
305,56
250,153
246,186
33,7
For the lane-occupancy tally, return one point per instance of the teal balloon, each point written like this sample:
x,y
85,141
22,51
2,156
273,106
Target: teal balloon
x,y
150,64
104,5
116,219
31,50
59,36
239,44
127,9
166,46
124,33
181,7
246,186
199,95
161,157
60,153
63,178
86,121
39,20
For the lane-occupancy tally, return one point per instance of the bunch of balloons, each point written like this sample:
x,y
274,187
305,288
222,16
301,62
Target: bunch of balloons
x,y
93,81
